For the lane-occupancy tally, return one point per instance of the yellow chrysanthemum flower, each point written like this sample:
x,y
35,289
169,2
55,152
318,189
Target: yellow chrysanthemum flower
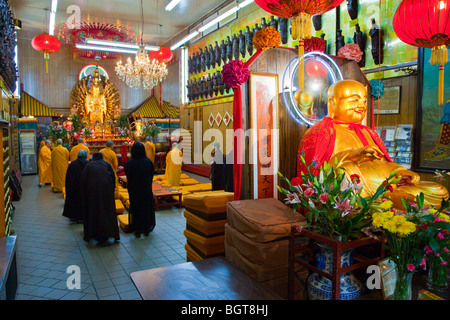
x,y
432,210
378,222
387,214
444,217
399,219
390,225
386,205
406,228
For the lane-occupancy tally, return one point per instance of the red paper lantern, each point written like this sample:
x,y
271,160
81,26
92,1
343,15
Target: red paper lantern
x,y
426,23
300,11
163,54
46,44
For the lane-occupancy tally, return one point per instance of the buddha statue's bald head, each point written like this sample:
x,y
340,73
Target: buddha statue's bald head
x,y
347,101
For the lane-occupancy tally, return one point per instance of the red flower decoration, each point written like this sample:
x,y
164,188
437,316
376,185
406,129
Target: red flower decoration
x,y
315,44
390,188
296,181
351,51
235,73
354,177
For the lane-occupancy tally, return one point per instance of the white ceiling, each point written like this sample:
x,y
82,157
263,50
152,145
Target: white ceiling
x,y
34,15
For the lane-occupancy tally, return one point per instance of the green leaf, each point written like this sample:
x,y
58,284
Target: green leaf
x,y
434,245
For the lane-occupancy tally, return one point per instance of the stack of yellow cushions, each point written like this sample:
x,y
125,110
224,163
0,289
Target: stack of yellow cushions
x,y
205,214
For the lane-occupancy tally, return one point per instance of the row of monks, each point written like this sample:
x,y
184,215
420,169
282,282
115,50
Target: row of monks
x,y
53,163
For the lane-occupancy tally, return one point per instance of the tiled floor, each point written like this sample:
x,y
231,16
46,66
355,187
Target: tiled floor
x,y
47,244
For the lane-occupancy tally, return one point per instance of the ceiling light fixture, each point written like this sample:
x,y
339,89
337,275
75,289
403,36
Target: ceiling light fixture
x,y
51,28
172,4
186,39
212,22
109,43
143,71
104,48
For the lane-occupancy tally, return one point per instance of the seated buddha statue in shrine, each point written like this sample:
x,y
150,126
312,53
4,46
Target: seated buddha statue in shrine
x,y
359,150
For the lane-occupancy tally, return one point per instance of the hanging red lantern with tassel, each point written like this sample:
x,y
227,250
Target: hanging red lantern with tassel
x,y
300,12
426,24
46,44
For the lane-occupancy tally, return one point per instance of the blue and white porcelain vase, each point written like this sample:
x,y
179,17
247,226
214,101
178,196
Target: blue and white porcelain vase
x,y
320,288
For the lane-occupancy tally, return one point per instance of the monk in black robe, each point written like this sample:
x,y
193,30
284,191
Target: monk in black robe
x,y
73,192
139,171
97,201
217,168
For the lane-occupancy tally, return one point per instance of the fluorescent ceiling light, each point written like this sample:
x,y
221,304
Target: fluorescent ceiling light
x,y
102,48
51,27
219,18
172,4
120,44
244,3
186,39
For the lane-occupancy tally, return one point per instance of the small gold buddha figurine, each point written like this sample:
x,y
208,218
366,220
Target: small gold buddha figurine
x,y
305,103
358,149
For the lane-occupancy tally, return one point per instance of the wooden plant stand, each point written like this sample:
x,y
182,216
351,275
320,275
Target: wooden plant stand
x,y
338,247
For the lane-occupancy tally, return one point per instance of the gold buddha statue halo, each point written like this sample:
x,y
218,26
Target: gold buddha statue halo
x,y
359,150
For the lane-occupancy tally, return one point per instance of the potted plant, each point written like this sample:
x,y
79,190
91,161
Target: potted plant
x,y
334,207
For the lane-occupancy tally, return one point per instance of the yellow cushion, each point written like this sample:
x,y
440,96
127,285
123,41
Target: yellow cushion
x,y
158,177
209,202
208,246
206,227
191,254
127,204
123,222
204,186
188,182
184,176
119,207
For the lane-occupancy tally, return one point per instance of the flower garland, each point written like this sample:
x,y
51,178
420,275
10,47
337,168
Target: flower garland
x,y
266,38
351,51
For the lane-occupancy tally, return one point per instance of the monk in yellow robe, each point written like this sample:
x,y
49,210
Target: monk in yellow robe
x,y
358,149
73,155
110,156
174,161
60,162
45,163
150,150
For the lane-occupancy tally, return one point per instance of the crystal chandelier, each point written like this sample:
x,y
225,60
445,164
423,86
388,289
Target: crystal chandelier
x,y
143,71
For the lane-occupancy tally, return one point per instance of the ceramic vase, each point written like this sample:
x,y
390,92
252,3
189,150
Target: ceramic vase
x,y
320,288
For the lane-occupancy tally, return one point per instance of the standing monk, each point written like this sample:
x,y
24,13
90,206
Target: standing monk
x,y
139,171
173,166
97,201
73,155
45,164
73,192
150,150
110,156
60,162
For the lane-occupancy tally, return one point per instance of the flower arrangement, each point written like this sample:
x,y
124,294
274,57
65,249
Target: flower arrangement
x,y
442,175
151,130
315,44
57,132
123,132
87,133
418,237
333,202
